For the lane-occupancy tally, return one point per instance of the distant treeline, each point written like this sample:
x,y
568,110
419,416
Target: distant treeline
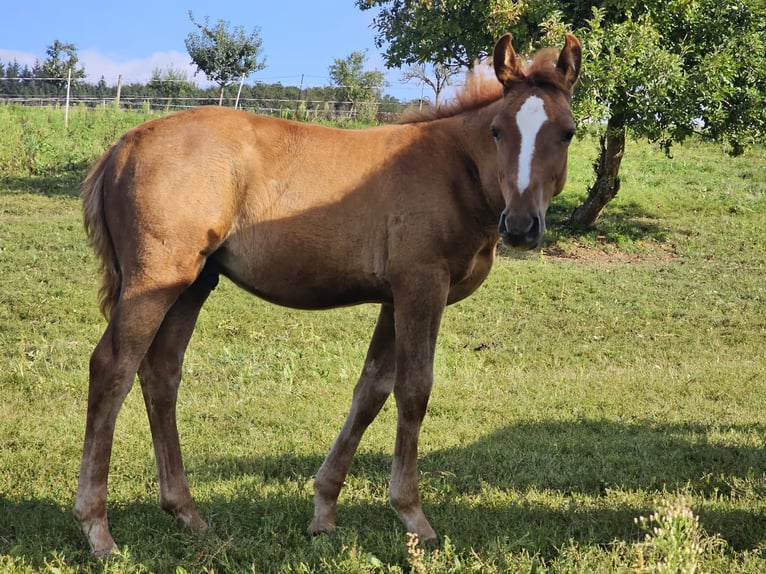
x,y
23,82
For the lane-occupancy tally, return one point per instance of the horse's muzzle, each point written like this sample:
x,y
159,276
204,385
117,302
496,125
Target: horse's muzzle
x,y
521,231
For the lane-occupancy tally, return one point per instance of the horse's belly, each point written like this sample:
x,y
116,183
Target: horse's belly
x,y
304,283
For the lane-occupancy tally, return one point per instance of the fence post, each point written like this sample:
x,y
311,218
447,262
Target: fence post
x,y
119,89
239,92
66,109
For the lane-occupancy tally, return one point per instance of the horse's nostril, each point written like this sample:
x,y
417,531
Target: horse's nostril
x,y
533,233
502,228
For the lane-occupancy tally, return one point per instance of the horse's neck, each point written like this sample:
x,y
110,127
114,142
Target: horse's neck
x,y
471,133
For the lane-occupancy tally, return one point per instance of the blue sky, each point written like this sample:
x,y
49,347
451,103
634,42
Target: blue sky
x,y
300,37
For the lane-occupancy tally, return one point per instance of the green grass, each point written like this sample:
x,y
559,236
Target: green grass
x,y
616,374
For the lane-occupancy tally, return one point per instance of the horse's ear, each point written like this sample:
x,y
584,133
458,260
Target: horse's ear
x,y
570,60
507,66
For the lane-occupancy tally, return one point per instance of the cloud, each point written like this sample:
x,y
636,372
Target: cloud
x,y
137,70
23,58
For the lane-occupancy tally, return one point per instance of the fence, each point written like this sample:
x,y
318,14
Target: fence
x,y
286,108
298,108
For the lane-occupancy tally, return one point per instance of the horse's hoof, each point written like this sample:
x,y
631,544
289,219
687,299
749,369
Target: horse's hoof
x,y
100,541
104,553
431,544
317,532
192,522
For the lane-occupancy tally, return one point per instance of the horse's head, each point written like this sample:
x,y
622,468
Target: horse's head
x,y
532,131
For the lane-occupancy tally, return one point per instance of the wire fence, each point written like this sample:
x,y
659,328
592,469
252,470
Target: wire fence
x,y
304,110
149,97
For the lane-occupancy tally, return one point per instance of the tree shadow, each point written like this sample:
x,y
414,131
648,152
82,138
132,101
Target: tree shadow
x,y
33,524
575,460
586,456
623,222
64,183
531,486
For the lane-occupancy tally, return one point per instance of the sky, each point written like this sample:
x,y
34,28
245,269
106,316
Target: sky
x,y
301,38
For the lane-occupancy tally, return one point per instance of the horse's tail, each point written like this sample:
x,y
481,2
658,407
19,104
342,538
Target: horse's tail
x,y
99,235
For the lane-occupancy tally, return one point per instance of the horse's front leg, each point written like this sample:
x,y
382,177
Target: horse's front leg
x,y
372,390
418,314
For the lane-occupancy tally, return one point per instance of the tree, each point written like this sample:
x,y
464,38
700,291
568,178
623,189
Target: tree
x,y
101,89
363,88
62,58
222,55
12,71
453,33
680,67
437,80
171,83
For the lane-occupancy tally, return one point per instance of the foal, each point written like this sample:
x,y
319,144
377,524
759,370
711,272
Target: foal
x,y
406,216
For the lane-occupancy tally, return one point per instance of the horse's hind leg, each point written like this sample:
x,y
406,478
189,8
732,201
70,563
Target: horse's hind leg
x,y
160,376
134,321
375,385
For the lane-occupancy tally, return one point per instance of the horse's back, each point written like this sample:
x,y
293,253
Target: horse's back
x,y
222,159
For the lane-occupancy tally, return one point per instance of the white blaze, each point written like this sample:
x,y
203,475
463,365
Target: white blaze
x,y
530,118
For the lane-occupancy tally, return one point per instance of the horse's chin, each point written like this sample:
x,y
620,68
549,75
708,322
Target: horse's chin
x,y
520,243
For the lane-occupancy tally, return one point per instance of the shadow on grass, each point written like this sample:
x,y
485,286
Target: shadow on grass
x,y
29,526
67,183
531,486
573,461
620,223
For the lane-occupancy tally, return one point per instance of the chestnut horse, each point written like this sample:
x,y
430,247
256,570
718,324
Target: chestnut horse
x,y
312,217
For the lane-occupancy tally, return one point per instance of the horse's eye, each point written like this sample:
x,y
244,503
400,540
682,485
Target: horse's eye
x,y
495,133
567,137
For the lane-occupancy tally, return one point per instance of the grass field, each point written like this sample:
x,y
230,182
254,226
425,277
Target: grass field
x,y
599,406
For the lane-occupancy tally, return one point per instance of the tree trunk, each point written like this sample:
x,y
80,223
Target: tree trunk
x,y
220,98
607,170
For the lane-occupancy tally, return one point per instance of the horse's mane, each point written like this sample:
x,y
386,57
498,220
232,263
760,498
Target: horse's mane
x,y
482,88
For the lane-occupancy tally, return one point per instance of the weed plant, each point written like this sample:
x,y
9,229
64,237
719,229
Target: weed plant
x,y
617,373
